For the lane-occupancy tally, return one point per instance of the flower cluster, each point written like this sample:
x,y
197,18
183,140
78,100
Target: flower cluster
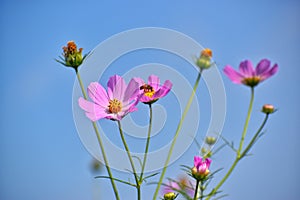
x,y
119,99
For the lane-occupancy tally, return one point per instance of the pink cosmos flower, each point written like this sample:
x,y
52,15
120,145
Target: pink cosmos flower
x,y
249,76
152,91
118,101
201,167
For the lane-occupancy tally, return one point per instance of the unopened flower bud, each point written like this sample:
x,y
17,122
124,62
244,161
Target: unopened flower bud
x,y
268,109
201,168
170,196
72,57
204,61
210,140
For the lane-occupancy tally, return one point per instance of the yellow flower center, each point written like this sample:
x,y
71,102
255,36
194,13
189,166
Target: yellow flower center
x,y
114,106
251,81
148,90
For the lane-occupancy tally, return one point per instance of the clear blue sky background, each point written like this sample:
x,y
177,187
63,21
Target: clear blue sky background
x,y
41,154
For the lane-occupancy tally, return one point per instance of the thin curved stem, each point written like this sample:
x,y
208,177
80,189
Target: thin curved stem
x,y
246,122
238,155
255,136
99,141
131,161
147,143
176,134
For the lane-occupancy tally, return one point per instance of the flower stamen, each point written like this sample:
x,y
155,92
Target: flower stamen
x,y
114,106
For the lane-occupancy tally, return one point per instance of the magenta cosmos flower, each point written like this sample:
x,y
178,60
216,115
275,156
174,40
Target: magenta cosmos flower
x,y
201,168
249,76
118,101
152,91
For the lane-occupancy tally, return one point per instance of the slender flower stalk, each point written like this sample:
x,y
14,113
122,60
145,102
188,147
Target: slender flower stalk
x,y
176,134
255,137
100,142
240,154
72,57
147,143
131,161
196,190
246,122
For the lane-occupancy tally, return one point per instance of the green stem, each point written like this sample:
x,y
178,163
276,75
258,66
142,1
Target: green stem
x,y
255,136
196,190
176,134
99,141
238,156
224,178
246,122
147,143
131,161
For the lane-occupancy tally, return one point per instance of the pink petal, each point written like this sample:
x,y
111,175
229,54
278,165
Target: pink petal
x,y
197,161
207,161
269,73
164,90
154,82
93,111
111,85
98,94
144,98
246,68
233,75
119,88
262,66
132,90
139,81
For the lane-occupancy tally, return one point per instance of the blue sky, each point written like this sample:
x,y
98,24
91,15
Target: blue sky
x,y
42,156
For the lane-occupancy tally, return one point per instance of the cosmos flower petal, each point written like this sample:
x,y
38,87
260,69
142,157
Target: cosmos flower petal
x,y
139,81
154,81
233,75
207,161
246,68
132,90
93,111
98,94
262,66
119,90
197,161
270,72
164,90
111,85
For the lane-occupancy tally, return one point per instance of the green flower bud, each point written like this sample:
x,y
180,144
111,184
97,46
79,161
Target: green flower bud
x,y
210,140
268,109
204,61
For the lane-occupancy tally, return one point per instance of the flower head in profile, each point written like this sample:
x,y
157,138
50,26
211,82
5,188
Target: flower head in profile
x,y
268,109
152,91
204,61
72,57
115,103
201,168
249,76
